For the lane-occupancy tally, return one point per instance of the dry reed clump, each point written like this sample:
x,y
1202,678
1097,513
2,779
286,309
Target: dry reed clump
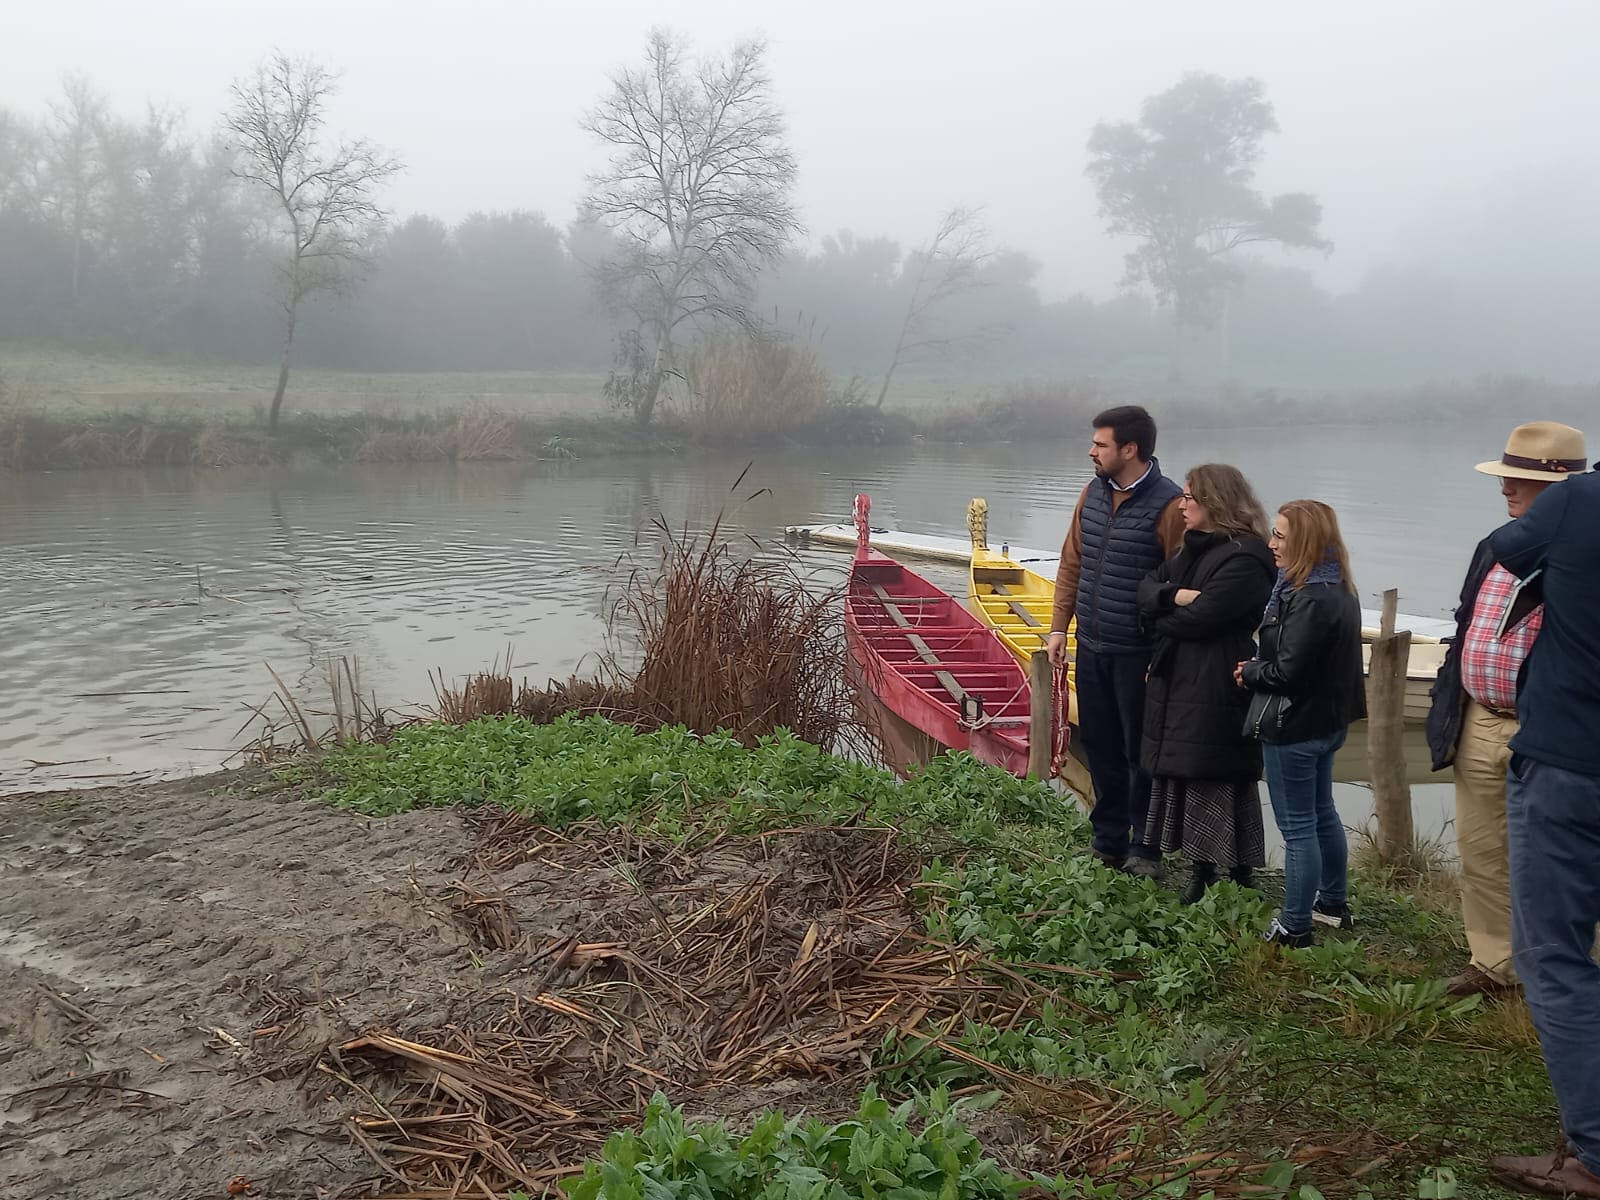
x,y
484,434
1027,410
403,446
216,447
745,387
727,641
295,728
96,447
575,696
737,643
491,693
36,440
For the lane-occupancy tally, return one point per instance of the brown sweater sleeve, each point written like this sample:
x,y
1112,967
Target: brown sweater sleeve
x,y
1069,570
1169,527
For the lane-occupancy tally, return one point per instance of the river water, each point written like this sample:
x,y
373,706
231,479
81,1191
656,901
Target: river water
x,y
145,608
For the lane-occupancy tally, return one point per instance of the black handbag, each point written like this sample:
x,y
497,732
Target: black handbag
x,y
1265,719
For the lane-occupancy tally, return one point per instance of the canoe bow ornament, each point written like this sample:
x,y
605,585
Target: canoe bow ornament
x,y
978,523
863,529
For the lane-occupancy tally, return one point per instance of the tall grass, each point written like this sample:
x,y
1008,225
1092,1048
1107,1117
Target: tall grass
x,y
735,642
745,388
1031,410
719,639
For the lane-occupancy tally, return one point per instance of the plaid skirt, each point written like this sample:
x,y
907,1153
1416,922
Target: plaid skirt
x,y
1210,820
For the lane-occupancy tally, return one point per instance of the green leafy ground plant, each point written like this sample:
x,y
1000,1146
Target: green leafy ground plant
x,y
1351,1038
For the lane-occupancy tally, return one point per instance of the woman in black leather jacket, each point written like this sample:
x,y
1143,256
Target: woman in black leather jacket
x,y
1308,687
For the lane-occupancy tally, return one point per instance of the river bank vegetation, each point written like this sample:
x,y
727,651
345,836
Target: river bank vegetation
x,y
803,972
959,949
735,392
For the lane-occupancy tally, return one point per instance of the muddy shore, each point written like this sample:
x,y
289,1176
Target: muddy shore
x,y
181,963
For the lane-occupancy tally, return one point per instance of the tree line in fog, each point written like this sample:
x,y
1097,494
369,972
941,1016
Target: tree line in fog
x,y
128,233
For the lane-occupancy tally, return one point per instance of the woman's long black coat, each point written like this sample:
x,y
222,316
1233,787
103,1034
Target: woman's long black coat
x,y
1194,711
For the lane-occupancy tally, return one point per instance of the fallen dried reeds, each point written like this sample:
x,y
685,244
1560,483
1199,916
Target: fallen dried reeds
x,y
720,975
95,1087
686,978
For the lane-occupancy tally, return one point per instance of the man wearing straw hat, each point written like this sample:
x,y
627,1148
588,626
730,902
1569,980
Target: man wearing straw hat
x,y
1474,713
1553,811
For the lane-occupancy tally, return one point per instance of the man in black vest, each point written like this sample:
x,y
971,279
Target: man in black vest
x,y
1126,523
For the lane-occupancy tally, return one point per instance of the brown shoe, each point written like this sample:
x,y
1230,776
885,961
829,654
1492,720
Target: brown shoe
x,y
1558,1174
1475,981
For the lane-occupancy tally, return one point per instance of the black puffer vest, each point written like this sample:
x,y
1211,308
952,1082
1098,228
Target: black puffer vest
x,y
1120,547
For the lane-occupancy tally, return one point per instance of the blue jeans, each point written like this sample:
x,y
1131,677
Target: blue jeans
x,y
1553,835
1111,728
1316,856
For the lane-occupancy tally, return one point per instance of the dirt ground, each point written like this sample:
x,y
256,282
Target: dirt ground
x,y
135,926
207,980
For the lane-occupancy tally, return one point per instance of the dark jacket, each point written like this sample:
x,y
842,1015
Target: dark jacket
x,y
1448,697
1120,547
1311,654
1559,704
1193,711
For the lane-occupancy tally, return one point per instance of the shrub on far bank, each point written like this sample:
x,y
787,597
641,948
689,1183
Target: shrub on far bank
x,y
1033,410
750,388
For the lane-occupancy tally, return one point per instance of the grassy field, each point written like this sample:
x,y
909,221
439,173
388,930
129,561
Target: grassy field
x,y
82,384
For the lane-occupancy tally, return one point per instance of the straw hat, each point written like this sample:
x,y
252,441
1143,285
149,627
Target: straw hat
x,y
1542,450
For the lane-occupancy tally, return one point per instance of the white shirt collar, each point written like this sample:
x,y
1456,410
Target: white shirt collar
x,y
1117,487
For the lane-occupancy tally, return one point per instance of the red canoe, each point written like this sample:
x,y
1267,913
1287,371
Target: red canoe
x,y
930,662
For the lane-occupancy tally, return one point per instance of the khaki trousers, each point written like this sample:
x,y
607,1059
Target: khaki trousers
x,y
1482,759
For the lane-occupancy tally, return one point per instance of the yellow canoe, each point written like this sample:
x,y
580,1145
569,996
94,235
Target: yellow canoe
x,y
1012,600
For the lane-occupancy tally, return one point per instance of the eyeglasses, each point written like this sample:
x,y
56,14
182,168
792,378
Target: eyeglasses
x,y
1187,497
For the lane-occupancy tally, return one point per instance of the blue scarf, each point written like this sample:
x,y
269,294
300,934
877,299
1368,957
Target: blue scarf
x,y
1324,572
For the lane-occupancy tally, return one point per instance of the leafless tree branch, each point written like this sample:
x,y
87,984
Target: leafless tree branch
x,y
952,262
697,194
326,214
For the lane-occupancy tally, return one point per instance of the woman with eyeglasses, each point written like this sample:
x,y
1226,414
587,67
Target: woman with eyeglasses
x,y
1306,688
1203,605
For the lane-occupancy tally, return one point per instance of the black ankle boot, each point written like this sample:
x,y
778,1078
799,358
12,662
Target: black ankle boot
x,y
1245,877
1200,877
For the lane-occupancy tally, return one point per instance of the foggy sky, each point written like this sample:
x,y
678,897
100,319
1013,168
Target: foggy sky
x,y
1404,116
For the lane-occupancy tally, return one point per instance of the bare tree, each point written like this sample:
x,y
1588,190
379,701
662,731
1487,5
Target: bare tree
x,y
22,167
322,202
76,166
696,194
951,263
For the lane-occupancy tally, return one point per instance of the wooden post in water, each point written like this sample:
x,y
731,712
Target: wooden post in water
x,y
1386,726
1041,726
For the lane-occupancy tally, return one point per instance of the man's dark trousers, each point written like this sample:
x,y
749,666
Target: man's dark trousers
x,y
1111,727
1553,834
